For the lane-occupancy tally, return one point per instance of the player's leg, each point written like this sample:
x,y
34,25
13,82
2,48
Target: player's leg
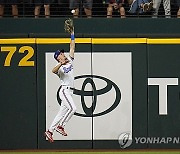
x,y
63,110
67,110
55,123
167,8
70,105
67,99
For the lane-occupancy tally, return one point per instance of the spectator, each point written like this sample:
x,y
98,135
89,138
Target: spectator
x,y
166,5
38,4
178,4
13,4
117,5
141,6
87,5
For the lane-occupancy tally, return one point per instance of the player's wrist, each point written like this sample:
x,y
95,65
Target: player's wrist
x,y
72,36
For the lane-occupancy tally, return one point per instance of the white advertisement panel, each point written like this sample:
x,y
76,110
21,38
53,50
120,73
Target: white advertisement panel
x,y
117,67
103,90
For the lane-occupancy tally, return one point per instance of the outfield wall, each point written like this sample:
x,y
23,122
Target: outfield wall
x,y
30,27
125,88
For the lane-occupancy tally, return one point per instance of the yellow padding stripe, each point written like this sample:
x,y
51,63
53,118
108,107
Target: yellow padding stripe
x,y
61,40
18,41
163,41
118,40
91,40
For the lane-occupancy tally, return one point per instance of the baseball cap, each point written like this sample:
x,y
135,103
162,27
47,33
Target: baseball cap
x,y
57,53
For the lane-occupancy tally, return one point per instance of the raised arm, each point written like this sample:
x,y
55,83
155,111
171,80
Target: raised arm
x,y
69,28
72,45
56,68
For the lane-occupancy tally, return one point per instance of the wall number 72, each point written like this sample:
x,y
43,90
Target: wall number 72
x,y
24,61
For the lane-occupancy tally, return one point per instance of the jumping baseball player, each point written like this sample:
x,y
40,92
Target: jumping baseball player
x,y
64,70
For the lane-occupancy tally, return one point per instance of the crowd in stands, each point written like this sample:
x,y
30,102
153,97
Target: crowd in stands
x,y
90,8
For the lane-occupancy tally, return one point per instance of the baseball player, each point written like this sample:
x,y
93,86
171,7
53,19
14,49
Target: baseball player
x,y
64,70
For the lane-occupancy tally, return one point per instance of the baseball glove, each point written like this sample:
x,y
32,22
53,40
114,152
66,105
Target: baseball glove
x,y
68,25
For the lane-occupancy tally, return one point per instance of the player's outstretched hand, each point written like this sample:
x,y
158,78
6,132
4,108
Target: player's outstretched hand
x,y
69,25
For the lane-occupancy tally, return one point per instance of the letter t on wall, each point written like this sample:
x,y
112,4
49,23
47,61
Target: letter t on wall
x,y
162,83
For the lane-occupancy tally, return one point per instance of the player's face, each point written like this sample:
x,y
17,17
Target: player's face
x,y
61,57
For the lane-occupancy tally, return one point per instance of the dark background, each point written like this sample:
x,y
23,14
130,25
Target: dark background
x,y
60,8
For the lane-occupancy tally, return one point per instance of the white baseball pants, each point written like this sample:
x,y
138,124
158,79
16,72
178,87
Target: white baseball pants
x,y
67,108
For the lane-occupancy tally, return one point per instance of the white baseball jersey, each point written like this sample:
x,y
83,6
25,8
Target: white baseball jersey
x,y
65,73
68,108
